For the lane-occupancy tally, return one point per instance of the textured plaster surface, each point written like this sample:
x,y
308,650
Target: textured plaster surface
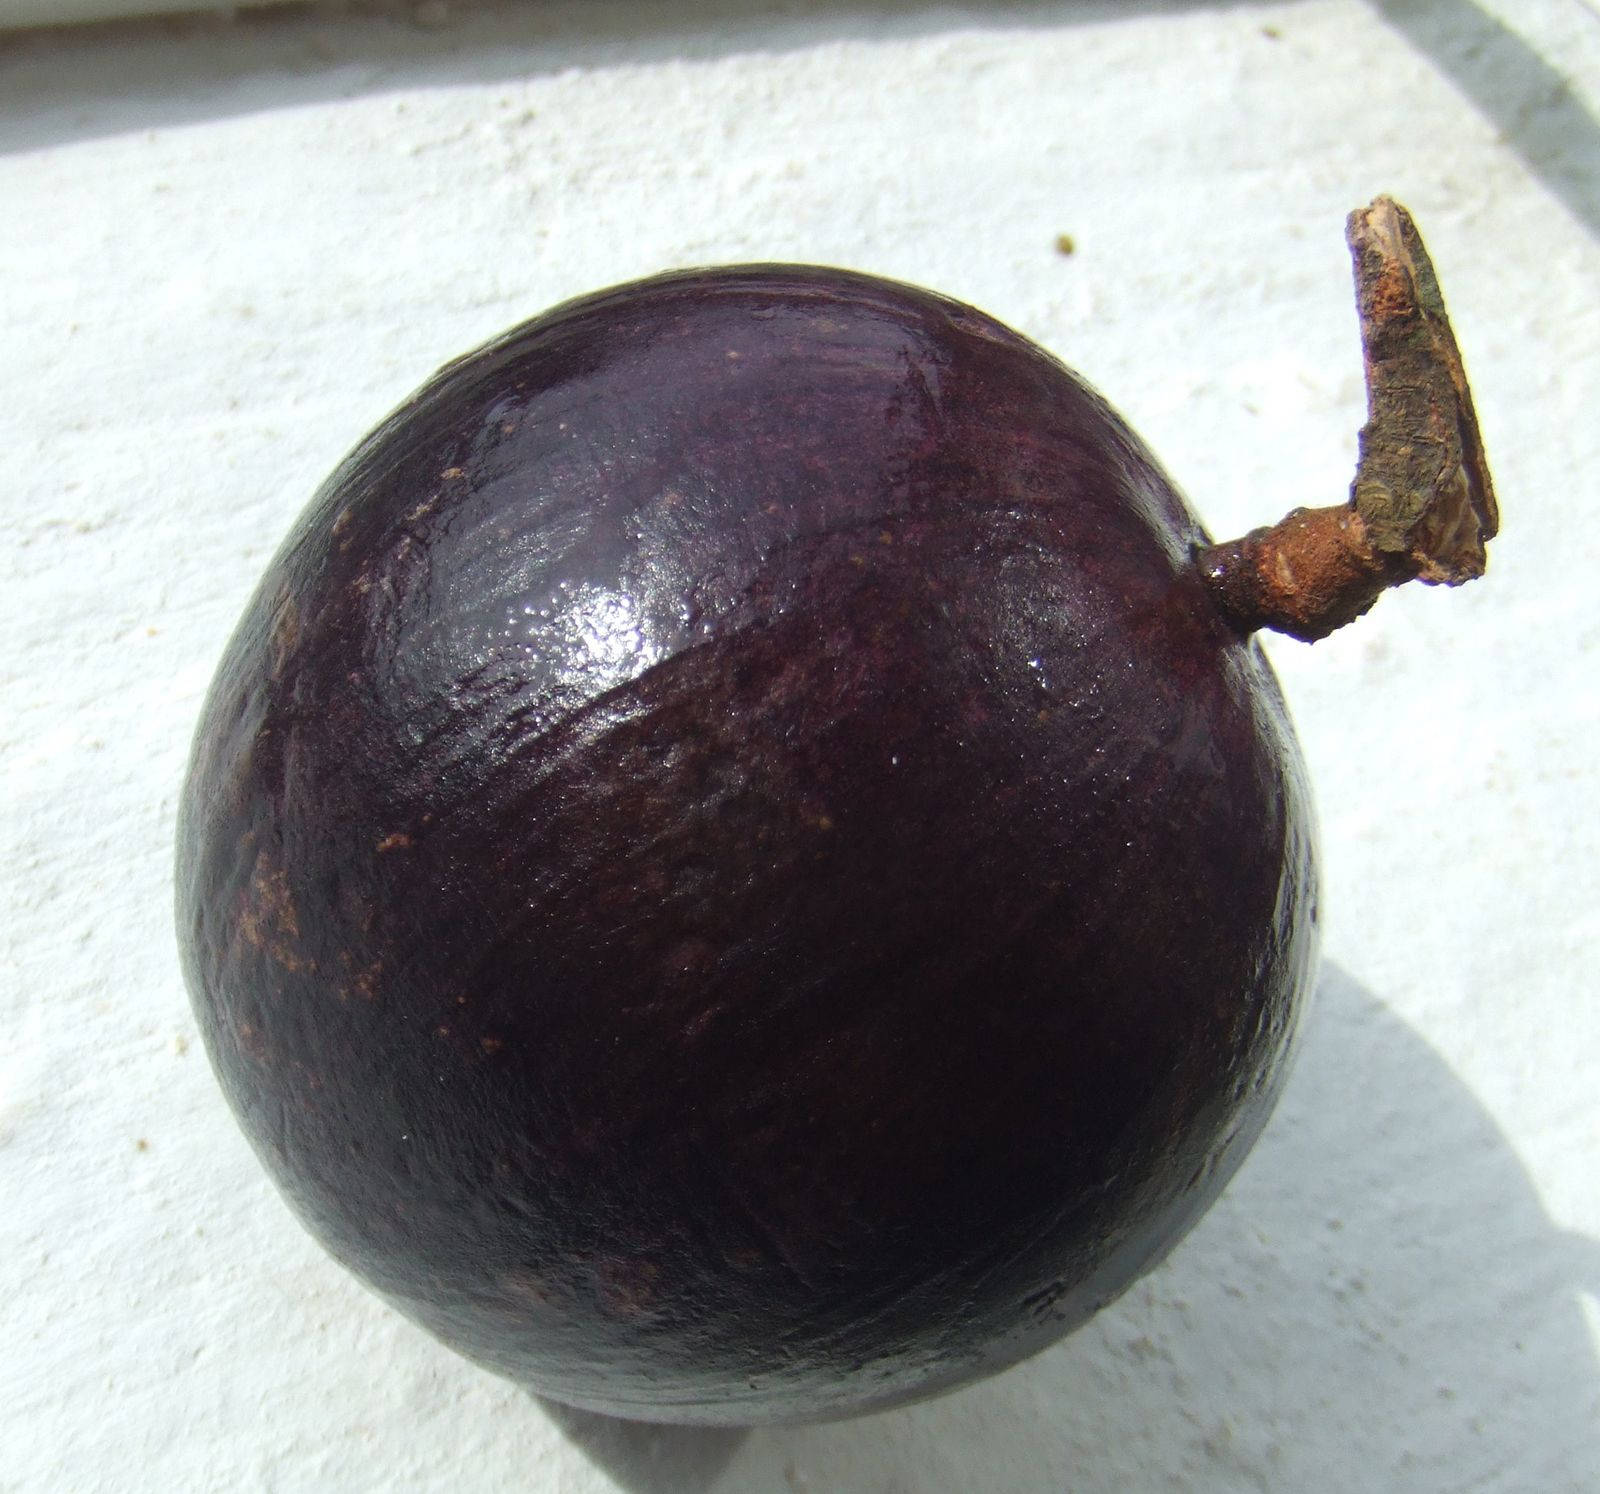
x,y
228,248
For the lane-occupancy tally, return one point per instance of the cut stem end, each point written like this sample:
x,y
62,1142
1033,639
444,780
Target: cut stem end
x,y
1422,504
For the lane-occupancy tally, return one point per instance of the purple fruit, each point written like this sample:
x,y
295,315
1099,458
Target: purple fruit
x,y
737,867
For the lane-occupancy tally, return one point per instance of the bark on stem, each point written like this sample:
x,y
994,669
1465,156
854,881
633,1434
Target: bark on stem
x,y
1422,504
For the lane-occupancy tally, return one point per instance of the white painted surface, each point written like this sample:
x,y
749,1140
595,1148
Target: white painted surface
x,y
225,251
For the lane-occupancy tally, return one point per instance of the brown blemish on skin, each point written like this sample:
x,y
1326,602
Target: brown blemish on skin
x,y
524,1286
366,984
251,1042
268,920
626,1288
285,634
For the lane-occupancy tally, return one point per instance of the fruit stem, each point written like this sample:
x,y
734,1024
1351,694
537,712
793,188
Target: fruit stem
x,y
1421,506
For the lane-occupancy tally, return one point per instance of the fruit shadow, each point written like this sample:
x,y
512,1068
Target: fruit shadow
x,y
645,1458
1379,1300
1536,109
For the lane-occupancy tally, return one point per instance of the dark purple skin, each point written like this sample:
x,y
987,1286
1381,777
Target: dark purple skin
x,y
732,869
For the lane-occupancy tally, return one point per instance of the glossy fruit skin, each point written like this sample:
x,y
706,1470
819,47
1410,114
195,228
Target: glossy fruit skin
x,y
731,869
